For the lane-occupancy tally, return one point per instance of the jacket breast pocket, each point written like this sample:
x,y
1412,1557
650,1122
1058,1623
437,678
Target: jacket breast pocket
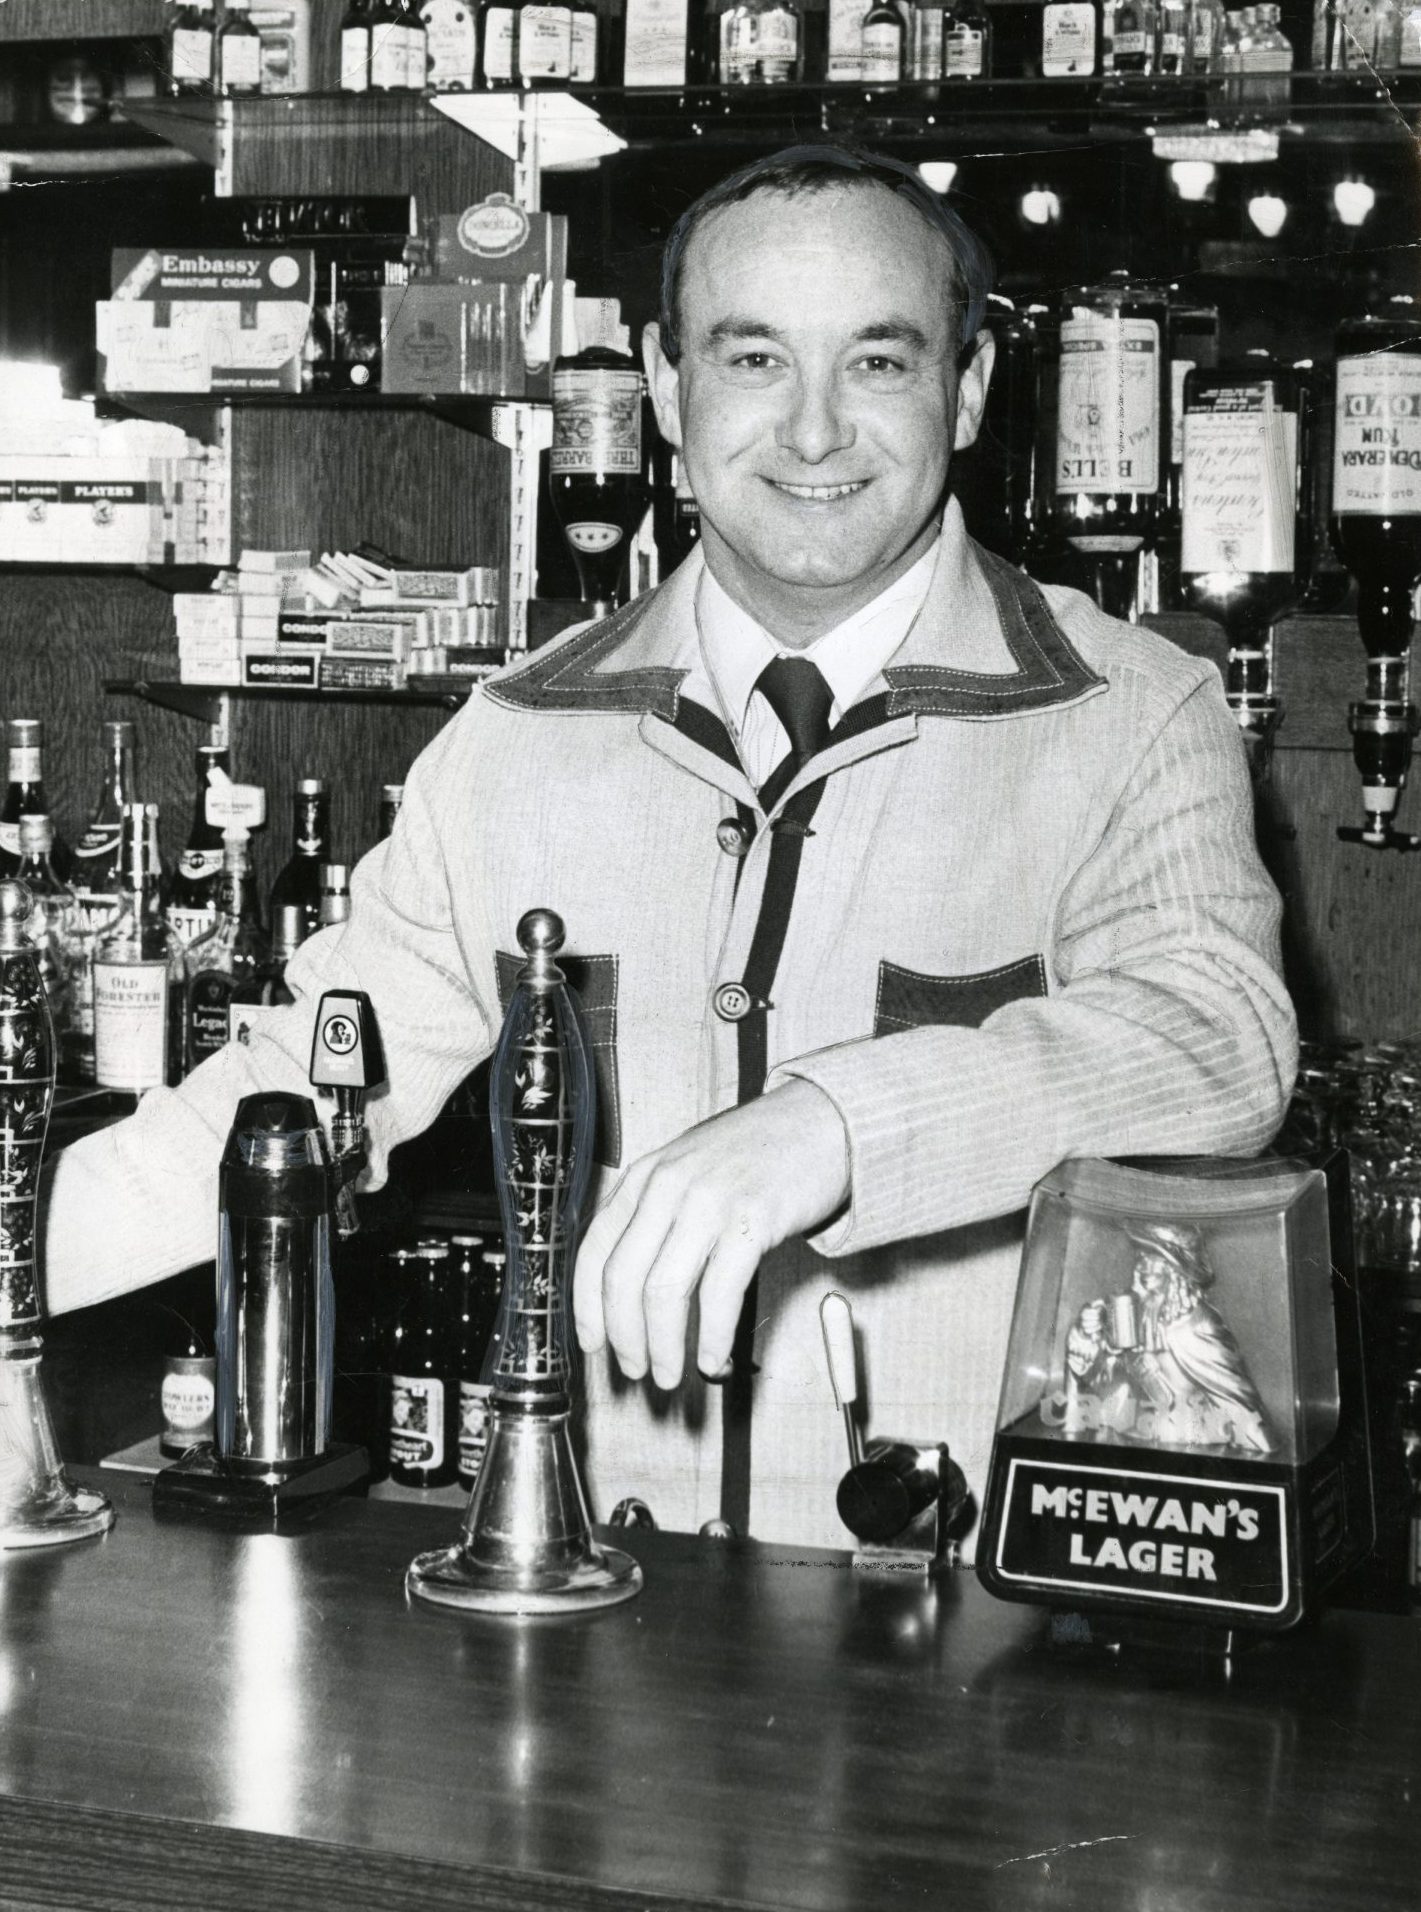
x,y
595,980
910,999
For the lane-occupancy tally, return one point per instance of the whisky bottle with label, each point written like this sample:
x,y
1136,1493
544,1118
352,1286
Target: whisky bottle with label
x,y
53,928
239,52
98,891
229,969
354,70
452,30
138,972
191,43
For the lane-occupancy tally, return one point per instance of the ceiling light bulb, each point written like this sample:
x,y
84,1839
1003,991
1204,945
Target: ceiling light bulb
x,y
1040,207
939,173
1193,178
1268,213
1353,200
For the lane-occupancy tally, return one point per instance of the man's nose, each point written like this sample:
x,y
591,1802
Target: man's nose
x,y
815,423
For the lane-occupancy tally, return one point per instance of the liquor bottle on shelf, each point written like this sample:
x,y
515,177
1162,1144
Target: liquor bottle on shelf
x,y
966,41
392,796
192,896
25,795
1108,426
1206,28
1070,38
354,70
1173,37
53,927
387,48
496,26
288,932
413,45
191,49
285,35
1243,429
659,43
595,466
479,1274
239,53
1131,36
1193,343
760,41
138,972
299,880
451,28
586,44
883,45
1376,528
542,44
335,894
424,1377
923,60
230,968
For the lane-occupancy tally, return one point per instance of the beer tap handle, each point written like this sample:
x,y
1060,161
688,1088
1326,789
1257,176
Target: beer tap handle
x,y
347,1056
836,1319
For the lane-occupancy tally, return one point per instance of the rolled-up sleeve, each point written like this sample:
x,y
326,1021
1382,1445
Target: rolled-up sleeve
x,y
138,1201
1167,1028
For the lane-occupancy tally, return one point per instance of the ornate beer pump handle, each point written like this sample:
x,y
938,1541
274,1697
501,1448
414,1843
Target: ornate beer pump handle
x,y
527,1543
38,1506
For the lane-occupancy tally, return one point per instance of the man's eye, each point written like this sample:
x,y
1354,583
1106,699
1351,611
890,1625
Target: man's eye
x,y
753,361
880,362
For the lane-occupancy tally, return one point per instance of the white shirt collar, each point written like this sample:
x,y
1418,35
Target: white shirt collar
x,y
736,649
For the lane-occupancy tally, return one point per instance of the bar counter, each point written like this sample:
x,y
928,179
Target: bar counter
x,y
192,1717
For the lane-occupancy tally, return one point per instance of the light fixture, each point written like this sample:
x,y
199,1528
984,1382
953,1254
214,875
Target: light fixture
x,y
1269,213
1040,206
939,174
1353,200
1193,179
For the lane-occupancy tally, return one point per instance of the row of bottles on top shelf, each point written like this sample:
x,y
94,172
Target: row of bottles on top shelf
x,y
150,971
415,1339
392,46
1116,452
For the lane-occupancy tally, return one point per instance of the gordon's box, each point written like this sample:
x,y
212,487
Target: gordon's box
x,y
186,319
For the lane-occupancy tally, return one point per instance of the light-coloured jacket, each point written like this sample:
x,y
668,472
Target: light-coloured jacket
x,y
1023,918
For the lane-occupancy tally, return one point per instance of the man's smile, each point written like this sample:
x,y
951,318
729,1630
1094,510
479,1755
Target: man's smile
x,y
819,494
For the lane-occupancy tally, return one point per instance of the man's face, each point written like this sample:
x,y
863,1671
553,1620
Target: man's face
x,y
818,401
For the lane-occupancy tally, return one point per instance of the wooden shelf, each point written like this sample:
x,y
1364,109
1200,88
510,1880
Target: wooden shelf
x,y
84,19
195,412
204,702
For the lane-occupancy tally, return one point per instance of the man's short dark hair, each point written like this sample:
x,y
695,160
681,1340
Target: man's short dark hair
x,y
818,168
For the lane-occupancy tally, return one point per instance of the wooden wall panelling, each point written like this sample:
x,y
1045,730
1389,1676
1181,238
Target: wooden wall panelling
x,y
82,19
371,145
61,635
330,477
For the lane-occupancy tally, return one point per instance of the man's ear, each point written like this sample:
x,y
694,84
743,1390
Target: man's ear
x,y
664,382
972,384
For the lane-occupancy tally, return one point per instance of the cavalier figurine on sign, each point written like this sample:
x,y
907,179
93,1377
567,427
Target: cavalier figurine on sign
x,y
1158,1362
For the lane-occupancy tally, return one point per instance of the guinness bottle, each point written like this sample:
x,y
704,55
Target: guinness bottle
x,y
594,468
424,1381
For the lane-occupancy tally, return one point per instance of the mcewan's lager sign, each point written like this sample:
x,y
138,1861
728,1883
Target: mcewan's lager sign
x,y
1195,1540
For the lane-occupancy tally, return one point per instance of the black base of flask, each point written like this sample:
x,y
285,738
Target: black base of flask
x,y
281,1499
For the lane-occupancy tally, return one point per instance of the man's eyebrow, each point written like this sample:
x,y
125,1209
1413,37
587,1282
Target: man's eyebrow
x,y
881,331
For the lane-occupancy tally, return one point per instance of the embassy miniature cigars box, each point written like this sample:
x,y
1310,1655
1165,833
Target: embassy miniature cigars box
x,y
205,320
1182,1431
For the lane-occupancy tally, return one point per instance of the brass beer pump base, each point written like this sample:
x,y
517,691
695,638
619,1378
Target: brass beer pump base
x,y
449,1577
56,1516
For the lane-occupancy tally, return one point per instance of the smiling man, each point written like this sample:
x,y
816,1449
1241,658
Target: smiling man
x,y
892,878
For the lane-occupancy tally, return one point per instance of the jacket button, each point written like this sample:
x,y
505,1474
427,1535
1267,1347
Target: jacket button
x,y
731,1002
732,836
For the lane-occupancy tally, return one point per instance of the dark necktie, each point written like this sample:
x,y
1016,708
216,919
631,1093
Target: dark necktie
x,y
796,692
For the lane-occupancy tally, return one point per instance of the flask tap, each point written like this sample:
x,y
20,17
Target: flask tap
x,y
347,1056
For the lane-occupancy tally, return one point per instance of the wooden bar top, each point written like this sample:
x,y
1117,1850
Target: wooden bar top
x,y
193,1717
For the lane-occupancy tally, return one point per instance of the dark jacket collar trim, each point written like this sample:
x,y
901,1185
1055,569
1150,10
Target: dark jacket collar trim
x,y
568,675
1049,669
564,675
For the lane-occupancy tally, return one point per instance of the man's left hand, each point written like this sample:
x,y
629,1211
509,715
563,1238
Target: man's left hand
x,y
701,1213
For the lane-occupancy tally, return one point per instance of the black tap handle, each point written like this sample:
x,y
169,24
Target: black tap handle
x,y
346,1050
